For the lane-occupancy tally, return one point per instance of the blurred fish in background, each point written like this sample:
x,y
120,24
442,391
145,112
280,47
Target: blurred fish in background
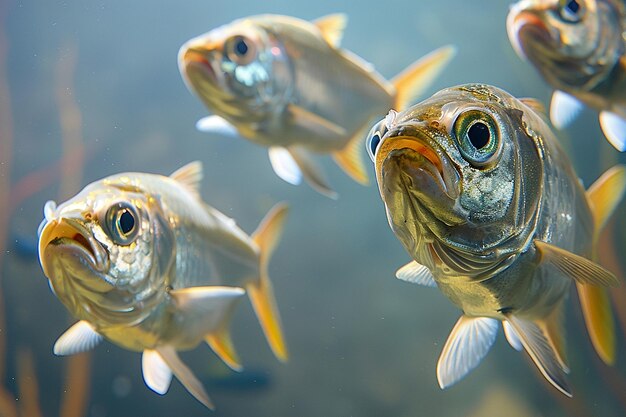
x,y
140,260
482,197
284,83
579,48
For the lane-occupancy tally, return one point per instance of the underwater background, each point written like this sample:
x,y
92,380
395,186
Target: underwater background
x,y
92,88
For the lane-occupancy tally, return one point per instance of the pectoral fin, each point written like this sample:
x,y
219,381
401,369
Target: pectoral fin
x,y
156,374
312,172
412,82
217,125
207,308
350,159
284,165
468,343
314,122
564,109
580,269
614,128
541,353
80,337
332,27
184,375
416,273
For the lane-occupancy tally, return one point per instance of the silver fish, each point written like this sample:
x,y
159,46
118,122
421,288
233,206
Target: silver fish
x,y
142,261
485,201
284,83
579,48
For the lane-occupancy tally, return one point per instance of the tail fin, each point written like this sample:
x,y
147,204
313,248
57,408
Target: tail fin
x,y
412,82
603,197
260,292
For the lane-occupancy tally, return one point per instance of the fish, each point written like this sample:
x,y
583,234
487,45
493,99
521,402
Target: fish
x,y
142,261
579,49
285,84
482,197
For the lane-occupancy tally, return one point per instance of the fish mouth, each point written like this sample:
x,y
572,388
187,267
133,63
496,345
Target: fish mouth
x,y
193,59
72,239
526,28
418,159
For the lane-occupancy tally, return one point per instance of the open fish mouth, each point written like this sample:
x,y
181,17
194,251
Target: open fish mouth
x,y
194,60
416,162
525,27
72,239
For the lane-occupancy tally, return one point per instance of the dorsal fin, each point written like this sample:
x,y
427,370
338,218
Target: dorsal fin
x,y
332,27
190,176
536,105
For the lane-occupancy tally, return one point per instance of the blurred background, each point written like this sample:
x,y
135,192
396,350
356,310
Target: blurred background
x,y
91,88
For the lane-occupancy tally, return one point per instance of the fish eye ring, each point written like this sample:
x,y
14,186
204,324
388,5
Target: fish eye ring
x,y
240,50
121,223
374,138
571,11
478,138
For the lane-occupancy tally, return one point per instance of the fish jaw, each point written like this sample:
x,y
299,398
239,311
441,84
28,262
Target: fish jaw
x,y
529,34
420,188
67,243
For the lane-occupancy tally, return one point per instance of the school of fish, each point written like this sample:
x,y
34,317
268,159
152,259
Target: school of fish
x,y
474,184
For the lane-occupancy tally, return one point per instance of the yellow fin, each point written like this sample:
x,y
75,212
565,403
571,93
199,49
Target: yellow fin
x,y
350,159
536,105
190,176
552,327
595,304
261,293
332,27
605,194
580,269
412,82
222,344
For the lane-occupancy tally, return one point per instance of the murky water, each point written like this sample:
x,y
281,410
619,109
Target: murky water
x,y
362,343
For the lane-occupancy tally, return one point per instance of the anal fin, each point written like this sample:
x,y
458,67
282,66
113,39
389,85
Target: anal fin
x,y
552,327
312,172
222,344
541,352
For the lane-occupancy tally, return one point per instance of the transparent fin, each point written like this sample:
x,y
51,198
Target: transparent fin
x,y
416,273
614,128
216,125
413,81
284,165
468,343
332,27
512,337
350,159
156,374
190,176
564,109
81,337
312,172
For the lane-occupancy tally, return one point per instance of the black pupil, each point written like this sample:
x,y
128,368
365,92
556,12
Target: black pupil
x,y
573,6
375,142
127,222
479,135
241,47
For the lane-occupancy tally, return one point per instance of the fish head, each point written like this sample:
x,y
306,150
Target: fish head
x,y
240,71
105,252
457,172
571,42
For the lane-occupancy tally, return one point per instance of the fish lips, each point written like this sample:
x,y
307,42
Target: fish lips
x,y
67,244
413,167
529,32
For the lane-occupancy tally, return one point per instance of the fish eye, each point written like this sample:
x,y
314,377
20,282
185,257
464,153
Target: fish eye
x,y
240,50
121,223
478,138
374,138
571,11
